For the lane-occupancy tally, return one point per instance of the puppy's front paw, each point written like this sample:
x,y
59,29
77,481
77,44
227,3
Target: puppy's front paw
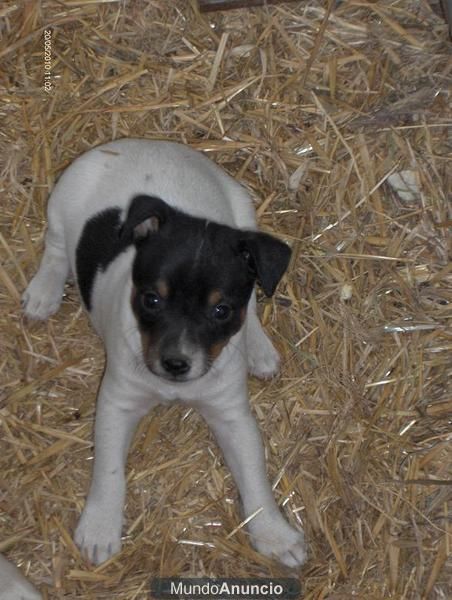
x,y
98,533
277,539
42,298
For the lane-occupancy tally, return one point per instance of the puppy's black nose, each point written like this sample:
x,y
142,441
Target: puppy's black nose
x,y
175,365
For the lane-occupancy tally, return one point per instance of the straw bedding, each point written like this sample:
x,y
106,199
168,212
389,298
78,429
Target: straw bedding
x,y
316,109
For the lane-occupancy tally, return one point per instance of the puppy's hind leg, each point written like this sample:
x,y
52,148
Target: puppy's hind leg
x,y
263,358
44,293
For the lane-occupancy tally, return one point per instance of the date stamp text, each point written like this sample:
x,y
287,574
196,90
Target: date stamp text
x,y
48,85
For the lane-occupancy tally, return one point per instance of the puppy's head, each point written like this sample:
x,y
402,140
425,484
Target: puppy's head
x,y
192,280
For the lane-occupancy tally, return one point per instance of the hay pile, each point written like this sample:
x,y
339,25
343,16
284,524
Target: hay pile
x,y
314,110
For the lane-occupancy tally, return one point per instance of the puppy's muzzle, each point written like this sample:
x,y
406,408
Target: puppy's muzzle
x,y
175,365
175,359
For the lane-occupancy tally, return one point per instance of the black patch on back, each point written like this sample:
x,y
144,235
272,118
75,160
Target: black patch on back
x,y
99,245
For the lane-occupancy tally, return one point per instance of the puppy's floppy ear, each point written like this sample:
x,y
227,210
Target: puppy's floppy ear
x,y
146,214
266,256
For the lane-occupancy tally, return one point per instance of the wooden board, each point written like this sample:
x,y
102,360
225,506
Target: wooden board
x,y
210,5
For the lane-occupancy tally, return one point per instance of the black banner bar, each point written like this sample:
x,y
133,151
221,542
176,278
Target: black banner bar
x,y
172,588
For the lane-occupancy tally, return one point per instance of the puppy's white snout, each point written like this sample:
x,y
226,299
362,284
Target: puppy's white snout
x,y
176,364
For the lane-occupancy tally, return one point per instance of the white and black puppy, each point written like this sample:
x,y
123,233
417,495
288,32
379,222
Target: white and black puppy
x,y
13,585
164,248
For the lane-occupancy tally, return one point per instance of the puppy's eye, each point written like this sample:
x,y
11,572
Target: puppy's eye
x,y
150,301
222,312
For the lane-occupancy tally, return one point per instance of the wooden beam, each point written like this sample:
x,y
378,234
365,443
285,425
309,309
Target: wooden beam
x,y
210,5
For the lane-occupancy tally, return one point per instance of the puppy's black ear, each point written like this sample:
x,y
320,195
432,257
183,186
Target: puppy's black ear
x,y
267,257
146,214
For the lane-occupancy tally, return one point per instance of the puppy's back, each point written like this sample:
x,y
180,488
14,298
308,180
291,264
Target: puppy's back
x,y
112,174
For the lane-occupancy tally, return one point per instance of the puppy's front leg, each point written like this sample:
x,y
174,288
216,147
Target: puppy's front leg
x,y
238,436
98,533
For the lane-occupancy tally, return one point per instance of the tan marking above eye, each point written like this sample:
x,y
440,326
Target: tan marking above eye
x,y
162,288
214,297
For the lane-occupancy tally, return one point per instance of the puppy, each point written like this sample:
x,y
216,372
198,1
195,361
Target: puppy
x,y
164,248
13,585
